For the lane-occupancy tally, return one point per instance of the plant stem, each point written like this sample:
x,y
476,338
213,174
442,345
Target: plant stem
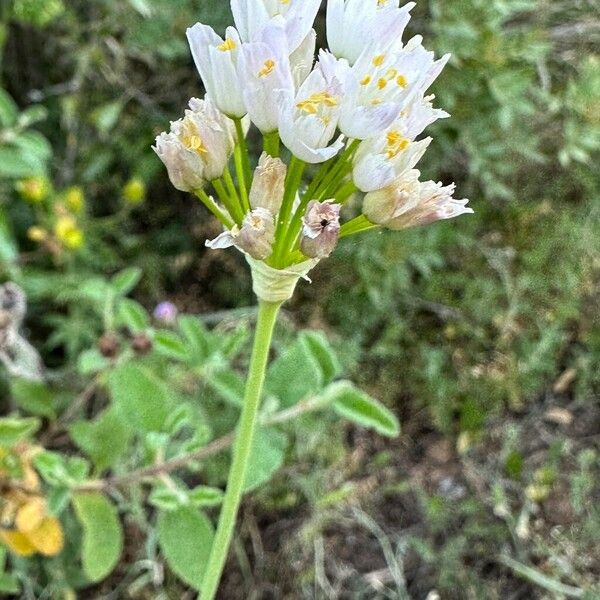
x,y
267,316
357,225
224,218
234,208
244,157
271,144
292,183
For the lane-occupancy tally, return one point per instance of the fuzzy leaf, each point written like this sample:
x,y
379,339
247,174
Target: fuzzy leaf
x,y
102,542
124,281
170,344
32,396
357,406
13,429
185,537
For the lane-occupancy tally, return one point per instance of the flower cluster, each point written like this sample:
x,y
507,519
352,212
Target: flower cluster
x,y
356,112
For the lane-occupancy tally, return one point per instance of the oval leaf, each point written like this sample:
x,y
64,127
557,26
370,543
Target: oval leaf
x,y
170,344
102,534
124,281
357,406
185,537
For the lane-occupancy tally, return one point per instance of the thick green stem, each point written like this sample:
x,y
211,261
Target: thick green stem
x,y
271,144
267,316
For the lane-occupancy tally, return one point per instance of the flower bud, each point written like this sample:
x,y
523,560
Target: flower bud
x,y
141,344
268,184
321,229
134,191
37,234
197,147
257,234
109,345
410,203
383,206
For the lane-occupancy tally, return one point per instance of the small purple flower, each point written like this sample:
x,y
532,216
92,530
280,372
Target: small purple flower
x,y
166,313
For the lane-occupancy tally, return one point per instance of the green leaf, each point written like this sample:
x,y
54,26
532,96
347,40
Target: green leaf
x,y
357,406
169,499
8,109
228,384
294,375
105,117
185,537
142,399
266,457
13,429
170,344
91,361
318,345
204,495
14,165
33,147
196,335
102,542
32,396
8,247
133,315
126,280
104,440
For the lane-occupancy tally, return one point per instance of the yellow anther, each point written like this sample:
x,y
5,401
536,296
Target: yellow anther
x,y
366,80
191,138
381,3
378,60
227,45
376,101
269,67
391,73
382,83
284,1
402,81
396,143
311,104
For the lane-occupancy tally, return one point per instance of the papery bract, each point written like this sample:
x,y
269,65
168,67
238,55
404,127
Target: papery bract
x,y
268,184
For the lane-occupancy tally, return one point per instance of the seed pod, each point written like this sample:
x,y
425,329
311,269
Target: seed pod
x,y
321,229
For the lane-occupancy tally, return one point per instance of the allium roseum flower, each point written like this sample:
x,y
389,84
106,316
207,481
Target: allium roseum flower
x,y
351,118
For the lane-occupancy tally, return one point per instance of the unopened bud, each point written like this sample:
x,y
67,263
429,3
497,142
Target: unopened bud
x,y
268,184
257,234
410,203
383,206
141,344
34,189
74,199
321,229
134,191
108,345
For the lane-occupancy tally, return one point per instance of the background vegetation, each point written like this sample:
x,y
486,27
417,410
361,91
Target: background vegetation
x,y
481,335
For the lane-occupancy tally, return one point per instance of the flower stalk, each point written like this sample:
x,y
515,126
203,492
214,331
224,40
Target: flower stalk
x,y
267,317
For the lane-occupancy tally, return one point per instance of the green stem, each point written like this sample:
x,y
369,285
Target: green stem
x,y
338,168
271,144
357,225
225,219
292,183
267,316
243,150
234,208
231,189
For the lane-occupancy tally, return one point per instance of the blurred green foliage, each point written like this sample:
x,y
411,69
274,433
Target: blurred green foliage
x,y
457,327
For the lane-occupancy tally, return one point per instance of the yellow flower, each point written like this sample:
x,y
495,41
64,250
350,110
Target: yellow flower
x,y
37,234
134,191
74,199
34,189
68,233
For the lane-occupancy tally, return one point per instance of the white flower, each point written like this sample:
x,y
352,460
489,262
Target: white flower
x,y
380,161
321,229
303,58
264,68
251,16
309,119
354,25
197,147
216,61
410,203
